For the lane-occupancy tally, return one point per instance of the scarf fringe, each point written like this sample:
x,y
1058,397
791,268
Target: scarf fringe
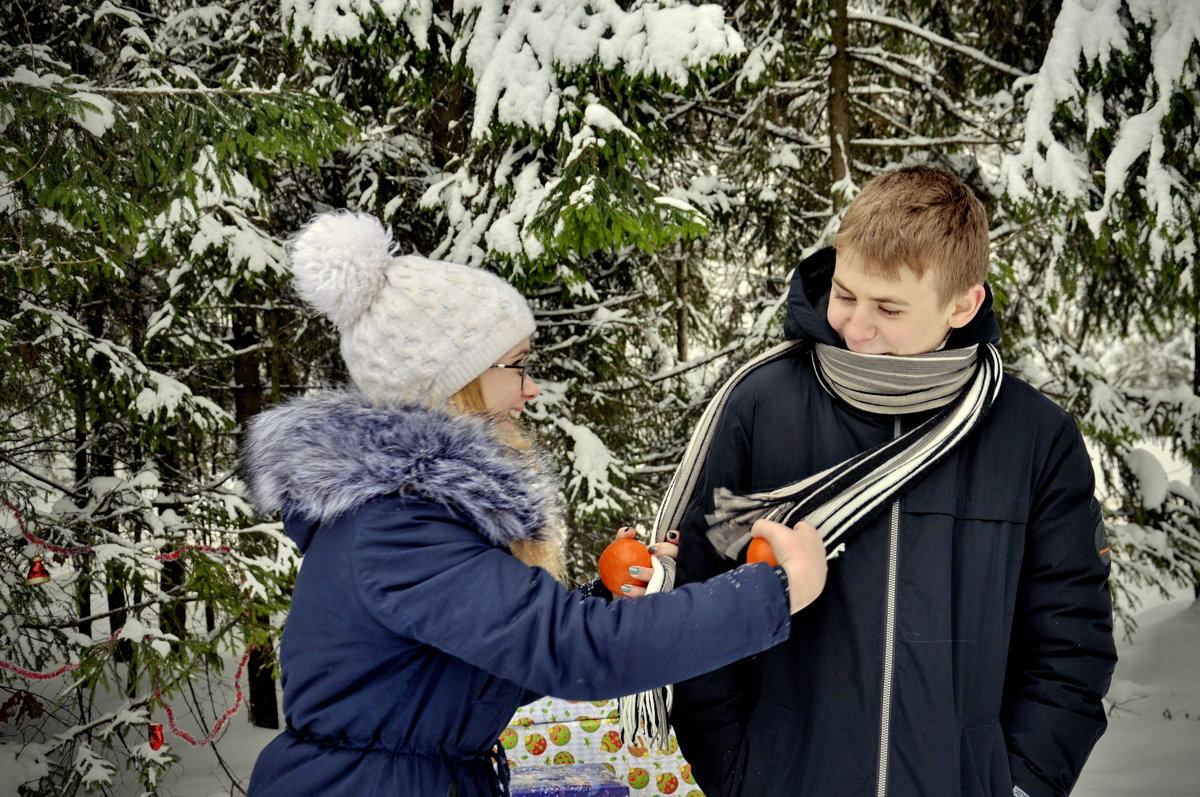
x,y
643,716
644,719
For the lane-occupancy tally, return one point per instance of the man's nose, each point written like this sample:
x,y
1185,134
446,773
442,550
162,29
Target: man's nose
x,y
859,326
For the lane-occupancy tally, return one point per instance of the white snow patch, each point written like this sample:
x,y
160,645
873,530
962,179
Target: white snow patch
x,y
1151,475
97,120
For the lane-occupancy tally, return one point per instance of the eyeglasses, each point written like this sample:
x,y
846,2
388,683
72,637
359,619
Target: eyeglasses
x,y
525,369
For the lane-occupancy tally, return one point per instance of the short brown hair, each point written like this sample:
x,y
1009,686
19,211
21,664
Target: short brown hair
x,y
919,217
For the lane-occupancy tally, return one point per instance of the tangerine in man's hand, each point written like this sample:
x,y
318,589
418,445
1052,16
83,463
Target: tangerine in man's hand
x,y
616,560
760,550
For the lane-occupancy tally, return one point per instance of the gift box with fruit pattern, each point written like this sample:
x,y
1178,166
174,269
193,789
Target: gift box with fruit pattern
x,y
551,732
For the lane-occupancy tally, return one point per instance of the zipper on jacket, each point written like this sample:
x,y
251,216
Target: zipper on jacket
x,y
889,642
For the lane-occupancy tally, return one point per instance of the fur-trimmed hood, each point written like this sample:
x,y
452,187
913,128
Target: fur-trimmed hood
x,y
317,457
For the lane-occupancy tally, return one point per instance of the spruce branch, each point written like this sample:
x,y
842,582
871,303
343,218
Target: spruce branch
x,y
43,479
908,27
930,142
161,598
69,735
683,368
943,99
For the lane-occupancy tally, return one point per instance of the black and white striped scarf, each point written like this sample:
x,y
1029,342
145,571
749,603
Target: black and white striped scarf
x,y
960,384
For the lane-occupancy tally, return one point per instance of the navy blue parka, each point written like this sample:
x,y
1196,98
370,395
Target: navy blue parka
x,y
414,634
963,641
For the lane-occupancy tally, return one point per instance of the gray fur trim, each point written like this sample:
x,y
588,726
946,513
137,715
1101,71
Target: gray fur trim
x,y
319,456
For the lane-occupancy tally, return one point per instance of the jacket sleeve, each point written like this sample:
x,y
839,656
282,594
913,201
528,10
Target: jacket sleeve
x,y
710,713
1062,653
426,575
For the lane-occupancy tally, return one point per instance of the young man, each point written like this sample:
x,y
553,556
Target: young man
x,y
964,639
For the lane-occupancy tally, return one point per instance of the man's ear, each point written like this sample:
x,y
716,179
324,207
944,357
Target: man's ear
x,y
966,306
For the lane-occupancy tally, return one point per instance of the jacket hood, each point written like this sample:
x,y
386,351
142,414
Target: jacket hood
x,y
808,302
317,457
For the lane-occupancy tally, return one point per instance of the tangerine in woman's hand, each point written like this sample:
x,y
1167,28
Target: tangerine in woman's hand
x,y
618,558
760,551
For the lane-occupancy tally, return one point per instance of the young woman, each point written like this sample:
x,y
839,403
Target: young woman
x,y
428,605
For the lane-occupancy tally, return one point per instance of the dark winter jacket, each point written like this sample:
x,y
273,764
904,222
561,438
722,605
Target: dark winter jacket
x,y
414,634
963,641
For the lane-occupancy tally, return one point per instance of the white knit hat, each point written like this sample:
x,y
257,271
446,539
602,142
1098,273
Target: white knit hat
x,y
414,330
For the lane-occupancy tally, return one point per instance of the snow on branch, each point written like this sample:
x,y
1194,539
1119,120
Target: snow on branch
x,y
978,55
522,53
1088,35
684,367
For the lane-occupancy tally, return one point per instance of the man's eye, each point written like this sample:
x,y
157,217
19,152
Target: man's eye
x,y
887,311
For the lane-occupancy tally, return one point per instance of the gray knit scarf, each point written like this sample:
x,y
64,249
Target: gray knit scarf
x,y
960,384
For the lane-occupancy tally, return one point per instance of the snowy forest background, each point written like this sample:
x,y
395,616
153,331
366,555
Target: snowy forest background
x,y
647,172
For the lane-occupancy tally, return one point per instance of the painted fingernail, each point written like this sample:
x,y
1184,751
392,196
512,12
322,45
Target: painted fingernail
x,y
672,535
635,571
653,549
626,588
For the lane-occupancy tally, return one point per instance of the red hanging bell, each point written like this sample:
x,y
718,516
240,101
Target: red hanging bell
x,y
38,574
156,736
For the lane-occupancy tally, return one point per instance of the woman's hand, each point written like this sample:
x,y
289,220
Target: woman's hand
x,y
668,548
801,554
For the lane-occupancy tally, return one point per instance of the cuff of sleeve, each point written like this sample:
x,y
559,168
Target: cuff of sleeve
x,y
1025,783
779,571
595,589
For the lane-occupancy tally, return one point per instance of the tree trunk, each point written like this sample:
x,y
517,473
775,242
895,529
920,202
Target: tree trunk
x,y
83,584
99,462
247,400
115,576
681,304
1196,392
839,101
173,613
450,113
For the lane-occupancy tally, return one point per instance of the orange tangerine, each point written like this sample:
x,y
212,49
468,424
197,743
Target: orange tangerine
x,y
760,551
618,558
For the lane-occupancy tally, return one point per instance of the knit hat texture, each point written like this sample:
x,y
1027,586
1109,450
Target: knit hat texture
x,y
413,330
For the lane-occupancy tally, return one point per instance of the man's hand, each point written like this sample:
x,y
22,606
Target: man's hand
x,y
801,554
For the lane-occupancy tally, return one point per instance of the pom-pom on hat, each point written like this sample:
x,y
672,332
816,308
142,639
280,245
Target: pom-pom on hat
x,y
413,330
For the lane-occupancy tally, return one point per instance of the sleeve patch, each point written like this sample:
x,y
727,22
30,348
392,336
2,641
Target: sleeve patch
x,y
1103,549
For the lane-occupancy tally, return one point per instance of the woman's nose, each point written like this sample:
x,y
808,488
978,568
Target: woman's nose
x,y
530,389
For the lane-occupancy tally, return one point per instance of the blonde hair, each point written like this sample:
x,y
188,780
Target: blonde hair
x,y
546,552
919,218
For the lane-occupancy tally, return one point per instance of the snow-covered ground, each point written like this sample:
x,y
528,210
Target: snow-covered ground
x,y
1151,749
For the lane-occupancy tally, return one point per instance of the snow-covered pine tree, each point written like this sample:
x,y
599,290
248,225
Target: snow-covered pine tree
x,y
1108,172
758,150
538,139
138,144
828,95
831,93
